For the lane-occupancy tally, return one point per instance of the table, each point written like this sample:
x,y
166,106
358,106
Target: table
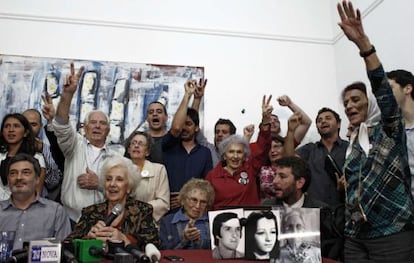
x,y
204,256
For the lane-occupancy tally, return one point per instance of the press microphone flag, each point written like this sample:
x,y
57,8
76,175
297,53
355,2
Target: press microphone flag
x,y
47,250
116,211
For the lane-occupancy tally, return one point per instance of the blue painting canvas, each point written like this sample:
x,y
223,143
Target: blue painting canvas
x,y
122,90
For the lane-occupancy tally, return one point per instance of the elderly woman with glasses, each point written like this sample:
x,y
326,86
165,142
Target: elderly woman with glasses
x,y
188,228
153,185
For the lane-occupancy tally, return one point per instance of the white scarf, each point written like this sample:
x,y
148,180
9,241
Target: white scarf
x,y
374,116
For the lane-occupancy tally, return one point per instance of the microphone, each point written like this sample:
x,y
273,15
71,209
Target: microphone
x,y
152,252
69,257
96,251
134,250
119,250
18,257
114,214
19,251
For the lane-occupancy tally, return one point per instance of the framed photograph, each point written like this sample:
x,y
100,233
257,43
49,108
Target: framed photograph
x,y
227,237
261,234
299,236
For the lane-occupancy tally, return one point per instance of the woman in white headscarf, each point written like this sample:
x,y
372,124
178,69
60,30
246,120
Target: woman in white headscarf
x,y
379,210
376,166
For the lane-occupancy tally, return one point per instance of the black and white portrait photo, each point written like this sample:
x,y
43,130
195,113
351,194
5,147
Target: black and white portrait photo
x,y
227,233
300,236
261,234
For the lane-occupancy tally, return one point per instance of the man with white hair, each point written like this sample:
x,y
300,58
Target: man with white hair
x,y
82,154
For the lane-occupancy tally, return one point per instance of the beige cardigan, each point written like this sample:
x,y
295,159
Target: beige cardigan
x,y
153,188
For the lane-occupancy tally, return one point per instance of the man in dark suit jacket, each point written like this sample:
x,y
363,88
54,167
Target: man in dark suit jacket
x,y
291,181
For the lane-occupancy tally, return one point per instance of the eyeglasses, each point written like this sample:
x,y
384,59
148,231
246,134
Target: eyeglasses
x,y
195,201
138,143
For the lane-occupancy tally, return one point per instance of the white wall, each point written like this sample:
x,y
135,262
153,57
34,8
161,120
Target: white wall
x,y
389,26
248,48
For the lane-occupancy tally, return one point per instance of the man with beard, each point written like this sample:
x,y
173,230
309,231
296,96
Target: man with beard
x,y
183,157
157,118
326,187
291,183
31,216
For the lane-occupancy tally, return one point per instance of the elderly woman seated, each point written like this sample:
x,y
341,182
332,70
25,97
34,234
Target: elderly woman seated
x,y
188,227
134,224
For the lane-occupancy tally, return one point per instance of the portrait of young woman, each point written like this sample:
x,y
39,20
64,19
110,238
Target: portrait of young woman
x,y
261,235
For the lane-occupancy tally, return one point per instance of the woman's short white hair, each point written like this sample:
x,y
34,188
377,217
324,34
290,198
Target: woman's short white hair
x,y
234,139
111,161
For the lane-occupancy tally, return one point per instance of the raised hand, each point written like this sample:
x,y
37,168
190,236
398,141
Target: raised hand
x,y
200,87
248,132
351,23
190,86
48,109
72,80
267,109
284,100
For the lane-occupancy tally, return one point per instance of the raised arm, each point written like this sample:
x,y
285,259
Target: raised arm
x,y
289,144
267,109
181,114
248,132
351,25
198,94
69,88
264,139
48,111
305,121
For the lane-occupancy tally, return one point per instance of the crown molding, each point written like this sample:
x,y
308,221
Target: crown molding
x,y
186,30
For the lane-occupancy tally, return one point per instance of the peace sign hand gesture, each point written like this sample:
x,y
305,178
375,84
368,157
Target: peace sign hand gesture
x,y
72,80
267,109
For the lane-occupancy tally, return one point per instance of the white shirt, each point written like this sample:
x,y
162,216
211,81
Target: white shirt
x,y
298,204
